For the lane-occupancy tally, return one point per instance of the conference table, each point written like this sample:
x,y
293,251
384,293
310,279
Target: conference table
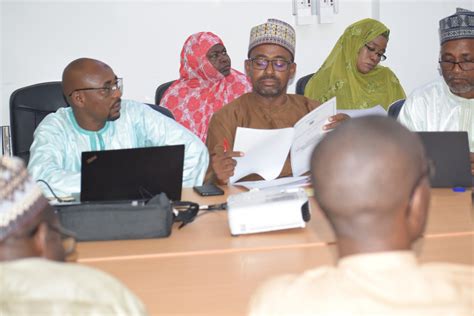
x,y
202,269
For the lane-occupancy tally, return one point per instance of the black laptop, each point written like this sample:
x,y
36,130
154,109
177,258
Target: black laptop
x,y
449,152
132,174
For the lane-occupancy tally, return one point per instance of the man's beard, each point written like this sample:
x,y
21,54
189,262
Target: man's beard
x,y
465,86
266,91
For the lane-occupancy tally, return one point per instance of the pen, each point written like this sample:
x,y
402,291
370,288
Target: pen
x,y
226,145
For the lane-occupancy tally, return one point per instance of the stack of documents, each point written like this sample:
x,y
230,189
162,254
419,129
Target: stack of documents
x,y
287,182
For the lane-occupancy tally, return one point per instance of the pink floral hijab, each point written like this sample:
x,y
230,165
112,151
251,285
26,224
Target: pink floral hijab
x,y
201,89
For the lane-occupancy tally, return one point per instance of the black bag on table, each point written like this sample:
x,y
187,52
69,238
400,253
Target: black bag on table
x,y
114,221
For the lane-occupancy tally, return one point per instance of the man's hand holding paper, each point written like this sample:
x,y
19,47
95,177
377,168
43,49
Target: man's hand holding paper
x,y
223,163
267,149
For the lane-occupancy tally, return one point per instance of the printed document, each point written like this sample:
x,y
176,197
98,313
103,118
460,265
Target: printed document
x,y
308,132
375,110
265,150
287,182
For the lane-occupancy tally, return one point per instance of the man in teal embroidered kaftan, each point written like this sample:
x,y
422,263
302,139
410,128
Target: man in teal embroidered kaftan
x,y
99,119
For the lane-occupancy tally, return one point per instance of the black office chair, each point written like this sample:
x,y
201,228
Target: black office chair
x,y
28,107
301,84
161,90
161,109
395,107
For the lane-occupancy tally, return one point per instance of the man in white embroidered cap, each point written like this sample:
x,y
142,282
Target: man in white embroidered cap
x,y
34,280
447,104
270,66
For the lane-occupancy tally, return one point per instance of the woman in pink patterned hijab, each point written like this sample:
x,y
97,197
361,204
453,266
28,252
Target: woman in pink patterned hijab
x,y
206,83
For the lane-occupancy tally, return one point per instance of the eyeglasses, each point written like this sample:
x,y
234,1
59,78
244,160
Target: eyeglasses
x,y
380,55
449,65
279,64
68,238
107,90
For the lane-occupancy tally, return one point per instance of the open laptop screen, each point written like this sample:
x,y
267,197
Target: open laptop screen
x,y
449,152
132,174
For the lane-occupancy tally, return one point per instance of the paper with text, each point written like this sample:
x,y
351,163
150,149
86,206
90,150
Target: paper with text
x,y
265,151
375,110
308,132
287,182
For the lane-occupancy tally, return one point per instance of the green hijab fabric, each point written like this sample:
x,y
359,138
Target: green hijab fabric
x,y
338,76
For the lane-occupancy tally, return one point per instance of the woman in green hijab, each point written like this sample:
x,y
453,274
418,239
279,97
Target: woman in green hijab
x,y
352,72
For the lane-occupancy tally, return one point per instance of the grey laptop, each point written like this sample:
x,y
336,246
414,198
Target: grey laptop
x,y
132,174
449,152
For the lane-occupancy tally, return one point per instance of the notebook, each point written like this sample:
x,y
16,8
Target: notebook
x,y
449,153
132,174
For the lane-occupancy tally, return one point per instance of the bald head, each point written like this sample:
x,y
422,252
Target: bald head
x,y
81,73
364,174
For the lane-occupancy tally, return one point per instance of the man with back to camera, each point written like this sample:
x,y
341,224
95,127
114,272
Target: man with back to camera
x,y
34,280
375,226
99,119
447,104
270,66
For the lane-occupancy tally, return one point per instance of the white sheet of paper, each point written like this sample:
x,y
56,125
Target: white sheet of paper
x,y
376,110
265,151
281,182
308,132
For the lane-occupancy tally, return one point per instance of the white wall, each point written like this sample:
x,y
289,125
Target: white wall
x,y
141,40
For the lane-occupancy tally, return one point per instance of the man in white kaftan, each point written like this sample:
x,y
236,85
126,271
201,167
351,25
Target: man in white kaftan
x,y
434,107
447,104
